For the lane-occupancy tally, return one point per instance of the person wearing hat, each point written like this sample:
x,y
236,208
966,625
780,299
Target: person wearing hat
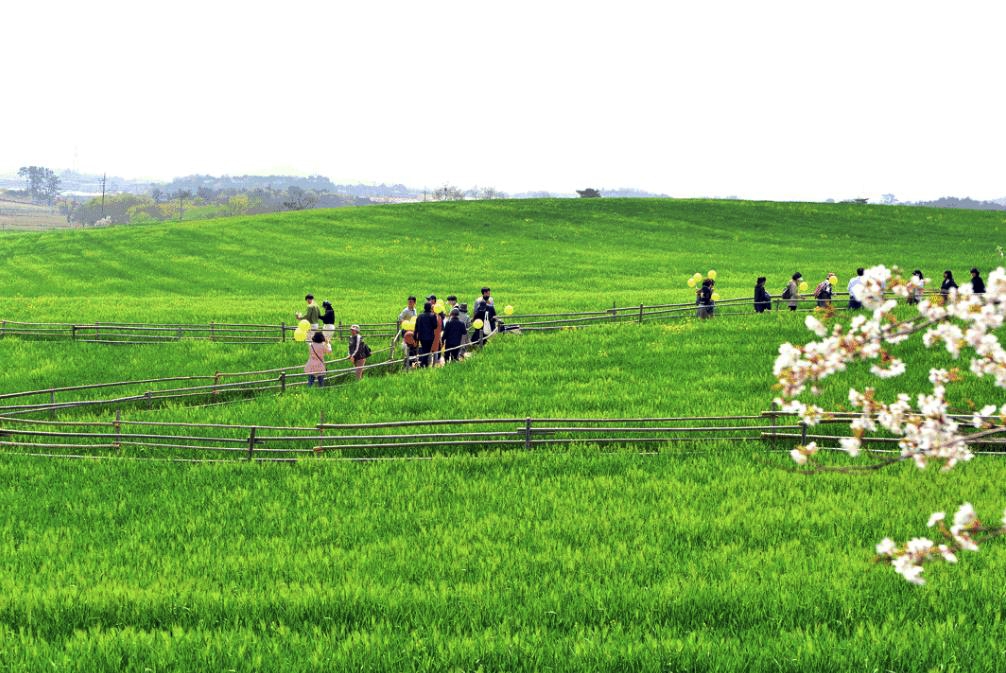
x,y
455,332
977,284
359,351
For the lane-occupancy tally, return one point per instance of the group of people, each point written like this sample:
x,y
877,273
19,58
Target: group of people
x,y
441,333
824,291
444,332
319,342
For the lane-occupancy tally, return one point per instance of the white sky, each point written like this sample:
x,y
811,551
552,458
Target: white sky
x,y
771,99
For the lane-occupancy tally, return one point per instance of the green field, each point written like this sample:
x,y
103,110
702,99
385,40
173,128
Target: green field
x,y
700,557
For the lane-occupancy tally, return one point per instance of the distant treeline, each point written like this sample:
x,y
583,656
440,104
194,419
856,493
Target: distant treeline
x,y
248,183
964,204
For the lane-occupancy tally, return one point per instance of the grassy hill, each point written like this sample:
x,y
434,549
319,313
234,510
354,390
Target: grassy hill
x,y
696,558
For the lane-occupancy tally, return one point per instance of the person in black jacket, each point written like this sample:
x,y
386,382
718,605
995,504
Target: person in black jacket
x,y
426,332
762,299
977,284
948,284
327,320
485,311
704,299
454,333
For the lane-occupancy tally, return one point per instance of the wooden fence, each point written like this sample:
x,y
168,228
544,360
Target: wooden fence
x,y
414,439
362,441
248,333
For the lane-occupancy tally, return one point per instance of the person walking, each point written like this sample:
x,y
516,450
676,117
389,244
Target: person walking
x,y
328,320
426,331
312,314
792,291
977,284
485,311
359,351
855,288
947,285
704,298
467,320
762,299
454,333
317,348
823,291
916,287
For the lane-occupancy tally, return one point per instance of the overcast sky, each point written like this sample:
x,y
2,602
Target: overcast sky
x,y
775,100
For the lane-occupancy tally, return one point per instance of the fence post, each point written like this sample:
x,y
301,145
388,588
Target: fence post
x,y
251,442
340,330
216,382
774,442
73,332
640,314
614,311
321,431
282,332
118,429
527,433
212,330
282,382
150,399
3,327
803,433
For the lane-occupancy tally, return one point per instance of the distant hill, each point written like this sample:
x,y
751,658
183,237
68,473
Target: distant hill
x,y
966,203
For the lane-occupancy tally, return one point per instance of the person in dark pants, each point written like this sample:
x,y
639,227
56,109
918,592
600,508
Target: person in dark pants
x,y
426,332
485,310
454,334
948,284
762,299
704,299
977,284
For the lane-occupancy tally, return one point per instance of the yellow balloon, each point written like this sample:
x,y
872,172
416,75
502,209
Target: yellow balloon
x,y
803,286
833,280
508,310
477,324
304,325
691,282
439,308
697,276
711,274
716,296
409,325
300,335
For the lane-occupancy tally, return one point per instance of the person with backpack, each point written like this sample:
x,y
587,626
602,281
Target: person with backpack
x,y
454,333
426,332
823,292
792,291
762,299
359,351
317,349
855,288
977,284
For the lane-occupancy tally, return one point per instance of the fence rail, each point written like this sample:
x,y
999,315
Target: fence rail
x,y
406,439
359,441
252,333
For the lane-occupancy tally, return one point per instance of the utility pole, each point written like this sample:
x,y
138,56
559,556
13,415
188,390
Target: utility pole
x,y
103,176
